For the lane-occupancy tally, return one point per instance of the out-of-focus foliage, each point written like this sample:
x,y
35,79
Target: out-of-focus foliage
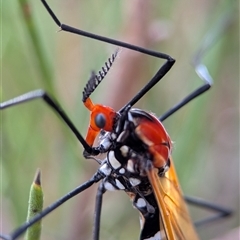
x,y
205,133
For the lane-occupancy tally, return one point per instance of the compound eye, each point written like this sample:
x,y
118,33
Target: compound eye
x,y
100,120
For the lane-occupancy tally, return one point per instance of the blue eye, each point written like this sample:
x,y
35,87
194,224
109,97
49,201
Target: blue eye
x,y
100,120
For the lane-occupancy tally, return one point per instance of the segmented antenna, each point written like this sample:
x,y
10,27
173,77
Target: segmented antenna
x,y
96,79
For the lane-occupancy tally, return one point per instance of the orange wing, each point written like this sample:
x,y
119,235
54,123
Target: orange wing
x,y
175,222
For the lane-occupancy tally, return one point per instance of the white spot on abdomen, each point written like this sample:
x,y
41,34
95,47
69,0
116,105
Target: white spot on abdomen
x,y
113,161
134,181
141,203
119,185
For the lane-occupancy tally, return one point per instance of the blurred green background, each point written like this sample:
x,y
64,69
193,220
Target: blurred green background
x,y
205,132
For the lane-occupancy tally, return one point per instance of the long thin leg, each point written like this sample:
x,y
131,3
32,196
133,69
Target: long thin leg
x,y
158,76
53,104
98,208
201,70
222,212
70,29
186,100
20,230
95,79
203,73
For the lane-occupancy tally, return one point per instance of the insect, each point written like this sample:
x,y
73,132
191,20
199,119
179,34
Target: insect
x,y
125,118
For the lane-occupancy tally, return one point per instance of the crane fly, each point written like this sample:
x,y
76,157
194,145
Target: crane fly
x,y
134,151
